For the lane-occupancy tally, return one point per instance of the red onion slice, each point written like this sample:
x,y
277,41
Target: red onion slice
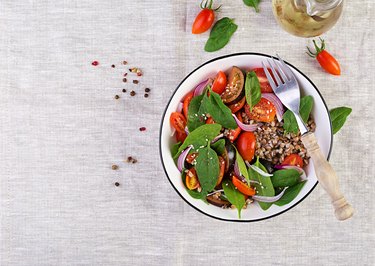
x,y
186,130
217,138
299,169
240,176
269,199
182,158
258,170
201,86
179,107
245,127
277,103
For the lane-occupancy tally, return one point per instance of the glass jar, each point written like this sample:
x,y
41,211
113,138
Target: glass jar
x,y
307,18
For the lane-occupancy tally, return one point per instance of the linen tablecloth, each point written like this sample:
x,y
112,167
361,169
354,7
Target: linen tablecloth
x,y
61,130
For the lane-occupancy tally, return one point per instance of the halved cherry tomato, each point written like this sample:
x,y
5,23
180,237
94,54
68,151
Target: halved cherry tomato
x,y
264,111
191,157
210,120
234,88
180,136
237,106
246,145
178,121
220,83
192,181
187,100
234,133
263,81
222,170
293,159
325,59
205,18
242,187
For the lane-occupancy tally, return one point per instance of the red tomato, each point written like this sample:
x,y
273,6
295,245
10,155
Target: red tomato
x,y
210,120
237,106
219,83
242,187
263,81
325,59
264,111
233,133
191,157
178,121
293,159
180,136
192,179
222,170
246,145
187,101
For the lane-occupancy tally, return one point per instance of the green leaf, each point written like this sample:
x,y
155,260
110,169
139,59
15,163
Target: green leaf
x,y
265,187
252,89
290,122
199,137
207,168
253,3
290,194
174,148
219,146
195,113
242,167
234,196
219,111
285,177
220,34
338,117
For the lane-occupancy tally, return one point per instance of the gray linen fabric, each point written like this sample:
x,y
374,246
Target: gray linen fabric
x,y
61,130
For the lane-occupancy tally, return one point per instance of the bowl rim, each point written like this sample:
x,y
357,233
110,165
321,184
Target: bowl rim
x,y
161,129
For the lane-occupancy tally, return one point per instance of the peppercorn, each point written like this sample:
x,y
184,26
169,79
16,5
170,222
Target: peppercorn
x,y
147,90
142,129
124,80
135,81
117,97
117,184
114,167
132,93
124,62
113,66
130,159
125,74
123,90
146,95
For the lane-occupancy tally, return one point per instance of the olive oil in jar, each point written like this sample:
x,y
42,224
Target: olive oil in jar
x,y
307,18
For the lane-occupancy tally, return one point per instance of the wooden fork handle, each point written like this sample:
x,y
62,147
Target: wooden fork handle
x,y
327,177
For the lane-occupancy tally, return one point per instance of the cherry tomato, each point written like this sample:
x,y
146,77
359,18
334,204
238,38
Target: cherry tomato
x,y
234,91
263,81
205,18
264,111
325,59
246,145
242,187
219,83
180,136
192,179
222,171
178,121
191,157
237,106
210,120
186,103
233,133
293,159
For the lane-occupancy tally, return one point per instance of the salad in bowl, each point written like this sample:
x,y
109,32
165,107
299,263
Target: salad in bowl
x,y
234,145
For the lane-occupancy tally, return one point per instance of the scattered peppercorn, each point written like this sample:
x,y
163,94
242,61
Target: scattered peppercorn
x,y
135,81
134,161
113,66
124,80
142,129
147,90
132,93
124,62
95,63
117,97
146,95
130,159
123,90
125,74
114,167
117,184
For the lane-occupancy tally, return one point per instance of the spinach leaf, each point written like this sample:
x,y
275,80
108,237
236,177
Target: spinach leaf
x,y
253,3
207,168
285,178
290,122
195,113
265,187
242,167
290,194
220,34
252,89
234,196
219,111
199,137
338,117
174,148
219,146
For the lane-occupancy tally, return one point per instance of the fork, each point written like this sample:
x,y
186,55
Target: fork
x,y
285,86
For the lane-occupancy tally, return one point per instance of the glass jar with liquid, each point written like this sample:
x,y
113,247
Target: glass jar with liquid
x,y
307,18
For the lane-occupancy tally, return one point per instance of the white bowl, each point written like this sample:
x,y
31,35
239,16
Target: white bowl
x,y
323,134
